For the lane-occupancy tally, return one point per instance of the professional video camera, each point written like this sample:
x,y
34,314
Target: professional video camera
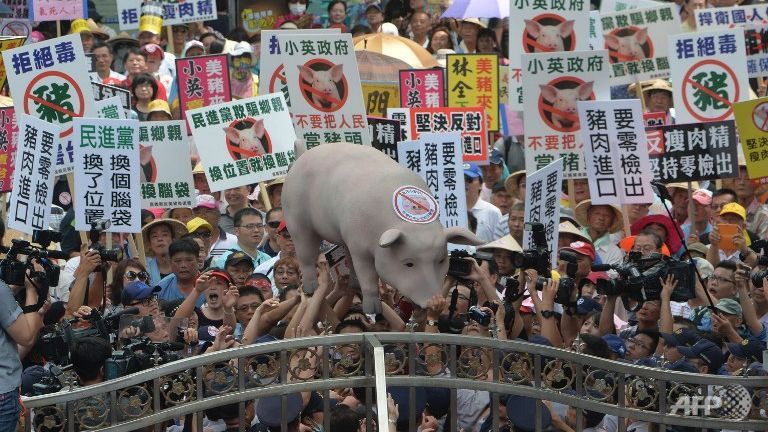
x,y
640,278
51,382
538,257
460,267
97,227
141,354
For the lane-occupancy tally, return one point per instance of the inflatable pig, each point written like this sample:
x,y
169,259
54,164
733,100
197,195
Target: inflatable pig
x,y
383,213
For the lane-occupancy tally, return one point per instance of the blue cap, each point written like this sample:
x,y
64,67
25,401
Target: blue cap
x,y
521,411
681,337
705,350
269,409
496,157
137,290
472,171
748,349
683,365
585,305
616,344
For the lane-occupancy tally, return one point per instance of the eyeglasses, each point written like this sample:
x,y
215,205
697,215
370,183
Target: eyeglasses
x,y
132,275
273,224
720,279
149,301
252,226
636,341
245,307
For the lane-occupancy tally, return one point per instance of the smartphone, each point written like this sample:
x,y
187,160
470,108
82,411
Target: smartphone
x,y
727,231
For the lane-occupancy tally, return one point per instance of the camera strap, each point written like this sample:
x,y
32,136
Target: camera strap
x,y
40,299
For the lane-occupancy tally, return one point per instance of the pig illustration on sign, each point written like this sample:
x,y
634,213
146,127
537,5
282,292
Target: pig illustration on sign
x,y
564,101
250,139
147,170
549,38
318,205
760,116
629,47
325,92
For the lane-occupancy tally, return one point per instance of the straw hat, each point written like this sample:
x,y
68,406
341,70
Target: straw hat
x,y
683,185
582,209
123,37
567,227
512,182
507,243
177,228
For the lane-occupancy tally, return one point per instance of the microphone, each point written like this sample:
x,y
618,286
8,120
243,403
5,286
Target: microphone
x,y
602,267
117,315
454,300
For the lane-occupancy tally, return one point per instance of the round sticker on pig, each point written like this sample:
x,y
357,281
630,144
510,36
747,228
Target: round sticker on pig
x,y
415,205
247,138
323,84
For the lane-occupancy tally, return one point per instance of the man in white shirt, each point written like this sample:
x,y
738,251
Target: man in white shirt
x,y
487,214
104,58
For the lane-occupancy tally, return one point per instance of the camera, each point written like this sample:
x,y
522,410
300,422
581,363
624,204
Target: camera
x,y
55,340
97,227
139,355
53,381
145,324
758,276
759,246
538,257
477,315
640,278
458,264
567,282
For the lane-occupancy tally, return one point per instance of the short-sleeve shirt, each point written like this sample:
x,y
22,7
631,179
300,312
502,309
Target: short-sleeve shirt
x,y
10,364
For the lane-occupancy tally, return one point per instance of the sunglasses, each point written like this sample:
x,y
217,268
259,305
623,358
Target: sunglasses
x,y
132,275
273,224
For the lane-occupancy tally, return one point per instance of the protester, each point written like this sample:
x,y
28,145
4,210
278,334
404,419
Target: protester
x,y
104,58
220,241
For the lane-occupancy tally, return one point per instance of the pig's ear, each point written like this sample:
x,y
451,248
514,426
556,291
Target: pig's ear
x,y
463,236
258,128
641,36
337,72
612,41
390,237
548,92
533,27
565,28
145,155
306,74
232,134
585,90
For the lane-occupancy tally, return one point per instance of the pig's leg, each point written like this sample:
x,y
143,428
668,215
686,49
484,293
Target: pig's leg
x,y
307,247
365,272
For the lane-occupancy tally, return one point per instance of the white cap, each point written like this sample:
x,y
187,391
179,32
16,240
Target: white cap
x,y
389,28
241,48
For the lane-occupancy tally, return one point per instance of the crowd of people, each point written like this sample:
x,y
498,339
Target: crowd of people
x,y
224,272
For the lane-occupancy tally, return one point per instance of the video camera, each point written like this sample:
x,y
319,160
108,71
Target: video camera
x,y
640,278
460,267
538,257
51,382
141,354
97,227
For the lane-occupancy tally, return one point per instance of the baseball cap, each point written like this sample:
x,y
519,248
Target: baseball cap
x,y
238,257
496,157
269,409
241,48
153,50
748,349
79,26
521,411
734,208
206,201
192,44
137,290
616,344
195,224
581,248
596,276
376,5
729,306
282,227
585,305
259,280
680,337
159,105
682,365
221,274
698,247
705,350
472,171
702,196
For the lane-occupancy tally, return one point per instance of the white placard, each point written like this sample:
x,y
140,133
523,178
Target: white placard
x,y
542,204
403,115
164,181
174,12
110,108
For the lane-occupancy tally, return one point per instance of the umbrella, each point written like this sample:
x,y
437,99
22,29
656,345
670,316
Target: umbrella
x,y
398,47
478,9
379,67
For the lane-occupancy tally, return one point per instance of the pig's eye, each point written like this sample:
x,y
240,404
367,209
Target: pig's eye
x,y
408,264
441,261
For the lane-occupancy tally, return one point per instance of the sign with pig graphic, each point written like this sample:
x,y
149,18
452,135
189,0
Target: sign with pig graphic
x,y
709,70
324,86
636,41
542,27
752,122
554,83
245,141
164,181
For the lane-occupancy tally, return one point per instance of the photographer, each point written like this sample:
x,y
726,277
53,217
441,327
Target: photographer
x,y
88,355
87,280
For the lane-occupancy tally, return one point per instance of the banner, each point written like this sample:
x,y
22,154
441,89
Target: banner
x,y
753,20
470,121
50,81
473,80
542,204
379,96
164,181
636,41
436,157
541,27
422,88
709,70
9,134
104,91
7,43
403,115
620,5
174,12
254,144
615,150
110,108
203,81
15,27
56,10
554,83
385,133
692,152
107,174
259,16
752,123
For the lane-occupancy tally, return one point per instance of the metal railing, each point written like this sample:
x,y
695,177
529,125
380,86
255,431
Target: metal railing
x,y
375,361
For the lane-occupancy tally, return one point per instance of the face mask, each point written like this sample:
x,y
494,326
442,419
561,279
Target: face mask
x,y
297,8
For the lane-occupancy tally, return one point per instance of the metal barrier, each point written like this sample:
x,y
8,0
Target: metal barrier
x,y
373,361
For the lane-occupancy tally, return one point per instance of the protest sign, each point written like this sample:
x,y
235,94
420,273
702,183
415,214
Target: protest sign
x,y
271,69
32,193
15,27
473,80
636,41
752,122
422,88
56,10
403,115
7,43
247,141
436,157
540,27
104,91
504,84
554,83
260,16
542,204
174,12
324,84
379,96
689,152
9,133
50,82
385,133
469,121
751,19
654,119
164,181
107,174
203,81
621,5
615,150
710,74
596,40
110,108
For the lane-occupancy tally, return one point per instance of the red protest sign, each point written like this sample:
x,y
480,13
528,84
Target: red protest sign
x,y
470,122
8,135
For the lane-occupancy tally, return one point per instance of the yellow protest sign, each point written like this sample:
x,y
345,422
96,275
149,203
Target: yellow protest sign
x,y
6,43
473,80
752,123
379,96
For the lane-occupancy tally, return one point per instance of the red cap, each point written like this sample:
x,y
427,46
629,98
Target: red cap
x,y
582,248
223,276
595,276
282,227
153,50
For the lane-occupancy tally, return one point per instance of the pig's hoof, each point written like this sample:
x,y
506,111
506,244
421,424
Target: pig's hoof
x,y
310,287
371,305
